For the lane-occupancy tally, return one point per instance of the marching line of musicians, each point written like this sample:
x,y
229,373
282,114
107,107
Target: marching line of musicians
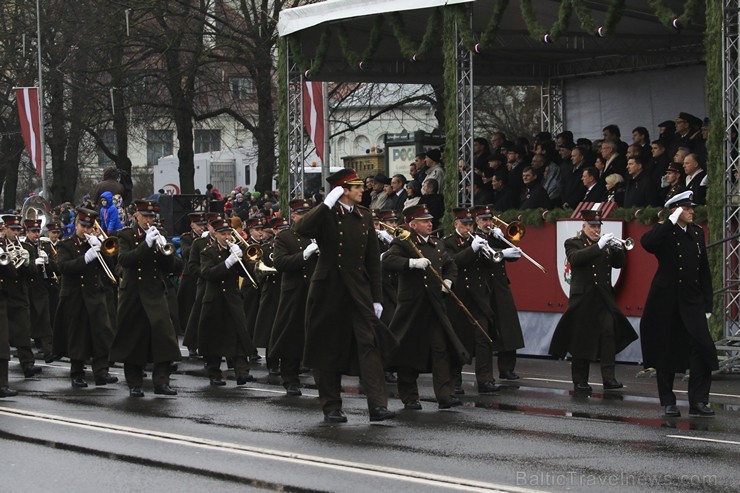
x,y
341,290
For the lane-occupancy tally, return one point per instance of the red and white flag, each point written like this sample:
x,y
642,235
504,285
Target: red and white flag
x,y
313,115
28,111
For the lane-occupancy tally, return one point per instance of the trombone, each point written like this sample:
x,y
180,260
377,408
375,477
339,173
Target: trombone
x,y
515,230
106,267
109,244
405,235
244,267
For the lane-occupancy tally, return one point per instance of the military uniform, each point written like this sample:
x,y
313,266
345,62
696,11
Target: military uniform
x,y
145,332
83,329
7,272
592,327
251,293
38,294
188,280
674,330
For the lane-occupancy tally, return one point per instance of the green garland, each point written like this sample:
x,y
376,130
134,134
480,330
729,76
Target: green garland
x,y
428,41
666,16
355,59
449,50
489,33
283,151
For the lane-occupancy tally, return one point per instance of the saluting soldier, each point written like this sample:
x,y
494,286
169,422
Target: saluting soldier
x,y
188,280
592,327
207,237
38,295
269,282
469,254
674,329
83,327
250,290
343,330
16,290
506,319
145,332
420,322
223,325
295,259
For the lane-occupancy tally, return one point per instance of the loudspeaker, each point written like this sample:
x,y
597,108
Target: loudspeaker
x,y
174,210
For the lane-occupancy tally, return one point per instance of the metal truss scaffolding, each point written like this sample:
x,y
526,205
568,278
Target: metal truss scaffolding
x,y
729,347
551,107
464,106
296,146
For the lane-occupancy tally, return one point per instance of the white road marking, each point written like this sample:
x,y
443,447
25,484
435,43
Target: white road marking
x,y
699,439
393,473
276,391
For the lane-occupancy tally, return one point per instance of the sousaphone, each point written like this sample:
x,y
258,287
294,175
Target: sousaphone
x,y
37,207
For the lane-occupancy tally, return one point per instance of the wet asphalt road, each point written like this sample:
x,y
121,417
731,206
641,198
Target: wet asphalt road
x,y
534,435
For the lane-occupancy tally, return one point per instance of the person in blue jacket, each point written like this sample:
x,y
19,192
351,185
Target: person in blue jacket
x,y
109,220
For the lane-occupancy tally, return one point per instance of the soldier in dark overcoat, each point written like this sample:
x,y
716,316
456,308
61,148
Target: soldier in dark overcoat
x,y
188,279
427,339
83,327
145,333
269,280
343,328
509,335
592,327
223,326
16,290
7,272
38,295
295,259
250,288
674,330
53,282
190,340
469,253
385,222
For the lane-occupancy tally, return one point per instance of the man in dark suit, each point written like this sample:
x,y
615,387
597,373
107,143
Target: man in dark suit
x,y
592,328
641,191
398,195
696,178
420,322
343,328
674,330
145,332
595,189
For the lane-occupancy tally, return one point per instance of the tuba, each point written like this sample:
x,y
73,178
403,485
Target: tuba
x,y
37,207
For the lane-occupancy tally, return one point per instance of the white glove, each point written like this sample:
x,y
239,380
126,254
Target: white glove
x,y
378,309
497,233
419,263
333,196
151,236
91,254
1,251
310,250
231,260
478,243
385,236
93,240
44,256
205,234
511,252
235,250
605,239
707,315
26,256
674,216
39,261
446,286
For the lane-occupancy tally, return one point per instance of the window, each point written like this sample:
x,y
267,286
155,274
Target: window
x,y
158,144
109,140
207,140
241,87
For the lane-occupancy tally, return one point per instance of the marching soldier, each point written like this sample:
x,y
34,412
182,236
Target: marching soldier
x,y
7,272
50,243
207,237
420,322
506,318
145,331
38,295
390,279
343,330
223,325
250,289
189,280
16,290
469,253
592,327
674,329
295,259
83,327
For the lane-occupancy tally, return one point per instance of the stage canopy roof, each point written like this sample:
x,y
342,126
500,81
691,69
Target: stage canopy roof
x,y
638,40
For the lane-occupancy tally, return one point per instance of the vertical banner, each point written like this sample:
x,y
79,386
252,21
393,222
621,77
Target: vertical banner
x,y
313,115
28,111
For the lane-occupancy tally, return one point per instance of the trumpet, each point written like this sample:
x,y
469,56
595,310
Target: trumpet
x,y
106,267
489,252
109,244
628,244
161,243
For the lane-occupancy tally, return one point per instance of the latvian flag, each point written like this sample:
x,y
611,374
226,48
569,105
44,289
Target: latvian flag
x,y
313,115
28,111
604,208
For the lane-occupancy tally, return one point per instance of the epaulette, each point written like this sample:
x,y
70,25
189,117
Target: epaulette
x,y
363,208
433,241
448,237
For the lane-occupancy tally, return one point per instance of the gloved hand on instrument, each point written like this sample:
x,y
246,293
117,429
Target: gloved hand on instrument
x,y
151,236
419,263
310,250
378,308
605,239
235,250
446,286
478,243
512,252
91,254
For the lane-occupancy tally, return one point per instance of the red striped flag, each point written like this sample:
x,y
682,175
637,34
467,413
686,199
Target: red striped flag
x,y
313,115
605,208
28,111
